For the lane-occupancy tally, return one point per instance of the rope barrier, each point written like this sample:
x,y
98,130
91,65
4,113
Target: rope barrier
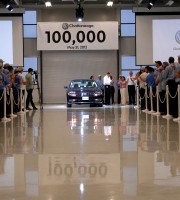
x,y
142,97
173,97
11,101
17,101
21,96
154,96
178,119
146,110
12,105
151,100
2,96
157,102
161,100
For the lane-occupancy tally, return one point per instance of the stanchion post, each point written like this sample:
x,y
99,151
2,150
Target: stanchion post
x,y
157,102
5,119
168,135
11,98
137,98
146,110
151,97
21,112
25,102
168,116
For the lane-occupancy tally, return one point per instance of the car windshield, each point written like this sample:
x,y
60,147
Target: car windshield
x,y
83,84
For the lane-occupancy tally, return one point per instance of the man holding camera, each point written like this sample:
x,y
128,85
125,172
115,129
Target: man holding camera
x,y
29,89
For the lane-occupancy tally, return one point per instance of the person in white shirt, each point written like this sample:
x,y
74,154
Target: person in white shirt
x,y
23,86
131,88
107,82
142,85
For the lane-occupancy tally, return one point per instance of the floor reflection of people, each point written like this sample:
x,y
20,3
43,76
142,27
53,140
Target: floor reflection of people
x,y
122,115
30,116
109,116
109,119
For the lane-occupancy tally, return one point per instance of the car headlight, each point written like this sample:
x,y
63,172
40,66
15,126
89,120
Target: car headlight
x,y
98,93
72,94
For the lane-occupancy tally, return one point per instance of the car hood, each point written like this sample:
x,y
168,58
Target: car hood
x,y
84,89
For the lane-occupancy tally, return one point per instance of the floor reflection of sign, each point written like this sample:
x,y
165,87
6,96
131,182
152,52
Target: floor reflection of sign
x,y
88,168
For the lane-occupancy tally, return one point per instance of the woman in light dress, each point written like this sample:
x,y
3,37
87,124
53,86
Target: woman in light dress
x,y
123,84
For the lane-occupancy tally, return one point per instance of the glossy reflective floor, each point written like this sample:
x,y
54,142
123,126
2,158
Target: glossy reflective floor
x,y
82,153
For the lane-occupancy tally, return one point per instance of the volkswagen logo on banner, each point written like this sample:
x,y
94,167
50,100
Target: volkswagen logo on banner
x,y
65,26
177,37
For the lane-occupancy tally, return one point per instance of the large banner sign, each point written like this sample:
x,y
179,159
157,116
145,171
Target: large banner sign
x,y
77,36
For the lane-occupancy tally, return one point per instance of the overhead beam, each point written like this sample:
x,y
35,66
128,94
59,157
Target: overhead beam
x,y
17,2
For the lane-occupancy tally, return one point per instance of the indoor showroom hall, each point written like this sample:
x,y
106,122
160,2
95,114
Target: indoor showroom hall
x,y
81,153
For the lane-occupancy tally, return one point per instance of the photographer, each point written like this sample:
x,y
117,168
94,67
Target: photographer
x,y
29,88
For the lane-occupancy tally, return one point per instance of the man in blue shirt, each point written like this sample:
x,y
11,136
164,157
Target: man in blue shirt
x,y
151,82
100,83
16,91
168,76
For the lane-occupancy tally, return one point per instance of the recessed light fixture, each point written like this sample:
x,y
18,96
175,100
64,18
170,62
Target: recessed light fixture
x,y
48,3
110,3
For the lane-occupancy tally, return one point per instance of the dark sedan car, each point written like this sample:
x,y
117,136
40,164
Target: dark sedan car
x,y
84,91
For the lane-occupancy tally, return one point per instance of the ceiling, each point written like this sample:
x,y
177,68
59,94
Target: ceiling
x,y
90,3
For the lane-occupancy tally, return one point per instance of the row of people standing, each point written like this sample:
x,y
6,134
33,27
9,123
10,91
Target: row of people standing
x,y
127,85
14,78
166,73
108,85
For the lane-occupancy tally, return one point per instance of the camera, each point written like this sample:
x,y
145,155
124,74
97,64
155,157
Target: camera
x,y
36,74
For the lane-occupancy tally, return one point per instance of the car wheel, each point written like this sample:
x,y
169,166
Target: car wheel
x,y
100,105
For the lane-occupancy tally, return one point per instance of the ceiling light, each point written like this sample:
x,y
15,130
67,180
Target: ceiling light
x,y
48,3
7,4
79,13
10,8
110,3
150,4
